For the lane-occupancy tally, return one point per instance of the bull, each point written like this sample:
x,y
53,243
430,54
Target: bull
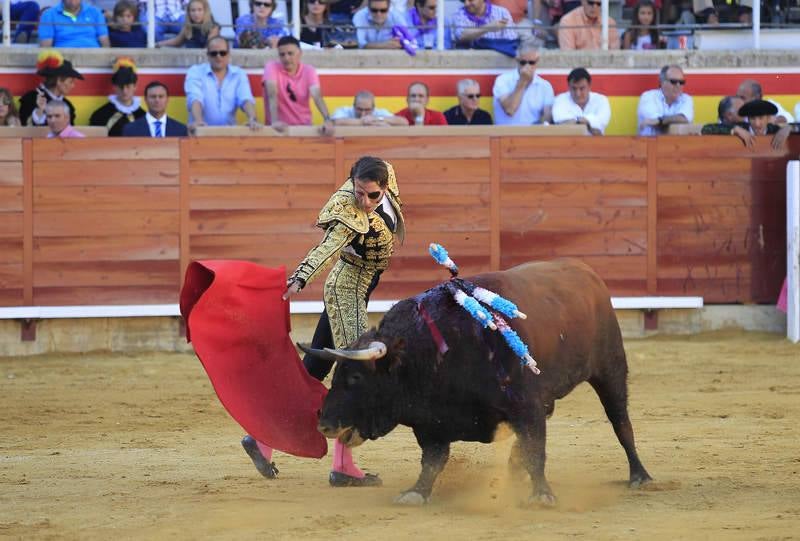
x,y
461,384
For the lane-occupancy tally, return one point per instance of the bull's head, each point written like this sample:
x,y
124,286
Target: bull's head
x,y
363,399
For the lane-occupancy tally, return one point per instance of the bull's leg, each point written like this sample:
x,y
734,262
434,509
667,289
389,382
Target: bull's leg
x,y
434,457
613,393
531,436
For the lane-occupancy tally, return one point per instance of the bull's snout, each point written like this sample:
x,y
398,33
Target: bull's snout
x,y
329,431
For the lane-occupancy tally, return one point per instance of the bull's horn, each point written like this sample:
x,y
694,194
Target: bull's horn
x,y
374,351
321,353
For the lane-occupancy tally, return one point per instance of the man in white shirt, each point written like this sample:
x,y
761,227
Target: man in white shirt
x,y
155,123
364,113
521,97
751,90
582,106
667,105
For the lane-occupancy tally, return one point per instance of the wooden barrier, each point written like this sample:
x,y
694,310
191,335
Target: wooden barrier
x,y
116,221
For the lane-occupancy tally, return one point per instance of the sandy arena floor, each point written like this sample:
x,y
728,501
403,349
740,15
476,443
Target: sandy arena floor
x,y
111,446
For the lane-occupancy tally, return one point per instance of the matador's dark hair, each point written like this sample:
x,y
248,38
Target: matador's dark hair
x,y
371,168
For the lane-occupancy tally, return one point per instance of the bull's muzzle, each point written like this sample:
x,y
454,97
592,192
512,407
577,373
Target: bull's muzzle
x,y
350,437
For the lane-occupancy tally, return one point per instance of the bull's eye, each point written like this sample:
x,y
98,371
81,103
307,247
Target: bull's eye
x,y
354,379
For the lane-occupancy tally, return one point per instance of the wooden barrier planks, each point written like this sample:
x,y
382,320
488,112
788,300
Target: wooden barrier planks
x,y
11,222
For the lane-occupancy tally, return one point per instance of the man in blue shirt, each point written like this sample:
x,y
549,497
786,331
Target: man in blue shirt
x,y
72,24
216,89
374,25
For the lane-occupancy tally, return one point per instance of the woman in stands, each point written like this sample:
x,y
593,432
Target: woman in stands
x,y
123,106
59,78
198,27
316,24
259,29
642,34
8,111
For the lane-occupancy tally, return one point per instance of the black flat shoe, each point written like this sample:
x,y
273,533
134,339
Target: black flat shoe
x,y
339,479
267,469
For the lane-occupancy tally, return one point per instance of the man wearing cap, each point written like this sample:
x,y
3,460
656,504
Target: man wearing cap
x,y
73,24
758,114
123,106
59,78
666,105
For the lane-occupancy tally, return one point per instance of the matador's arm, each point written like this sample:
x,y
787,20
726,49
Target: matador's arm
x,y
337,236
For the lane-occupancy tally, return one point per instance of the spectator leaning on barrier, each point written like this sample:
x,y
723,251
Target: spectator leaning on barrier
x,y
71,23
468,111
728,110
521,97
364,113
374,25
417,112
58,121
8,111
155,123
581,28
169,15
482,25
198,27
24,15
59,78
759,114
421,23
259,29
216,89
582,106
123,105
289,85
750,90
667,105
125,31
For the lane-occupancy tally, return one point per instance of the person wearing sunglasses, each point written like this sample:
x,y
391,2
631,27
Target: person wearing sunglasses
x,y
216,89
259,29
421,23
582,106
374,24
289,85
581,28
521,97
362,221
669,104
468,111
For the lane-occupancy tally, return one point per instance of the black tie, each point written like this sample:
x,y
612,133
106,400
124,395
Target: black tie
x,y
386,217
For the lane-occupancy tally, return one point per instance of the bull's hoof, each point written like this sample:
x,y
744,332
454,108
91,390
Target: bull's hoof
x,y
339,479
543,499
411,497
640,481
264,467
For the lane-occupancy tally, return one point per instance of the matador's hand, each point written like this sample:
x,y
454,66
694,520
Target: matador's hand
x,y
291,289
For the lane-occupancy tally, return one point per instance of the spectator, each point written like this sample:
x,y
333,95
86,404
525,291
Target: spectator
x,y
728,110
25,15
797,110
73,24
316,17
581,28
8,111
468,110
58,121
518,9
421,23
216,89
482,25
259,29
289,84
750,90
759,114
198,27
169,15
521,97
667,105
364,113
341,15
582,106
126,31
642,34
374,25
417,112
123,105
155,123
59,78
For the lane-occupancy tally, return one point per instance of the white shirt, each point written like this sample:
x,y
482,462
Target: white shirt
x,y
350,112
151,122
536,97
783,112
597,110
653,105
797,110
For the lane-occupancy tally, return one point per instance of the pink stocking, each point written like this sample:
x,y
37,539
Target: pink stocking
x,y
266,452
343,461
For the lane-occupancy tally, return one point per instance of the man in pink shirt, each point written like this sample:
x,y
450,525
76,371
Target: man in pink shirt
x,y
57,113
581,28
288,85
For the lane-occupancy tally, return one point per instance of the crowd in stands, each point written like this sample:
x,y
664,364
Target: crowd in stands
x,y
217,89
501,25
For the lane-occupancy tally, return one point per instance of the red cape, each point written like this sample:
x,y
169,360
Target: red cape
x,y
239,325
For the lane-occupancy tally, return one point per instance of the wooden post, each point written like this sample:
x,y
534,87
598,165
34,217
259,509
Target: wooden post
x,y
27,222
